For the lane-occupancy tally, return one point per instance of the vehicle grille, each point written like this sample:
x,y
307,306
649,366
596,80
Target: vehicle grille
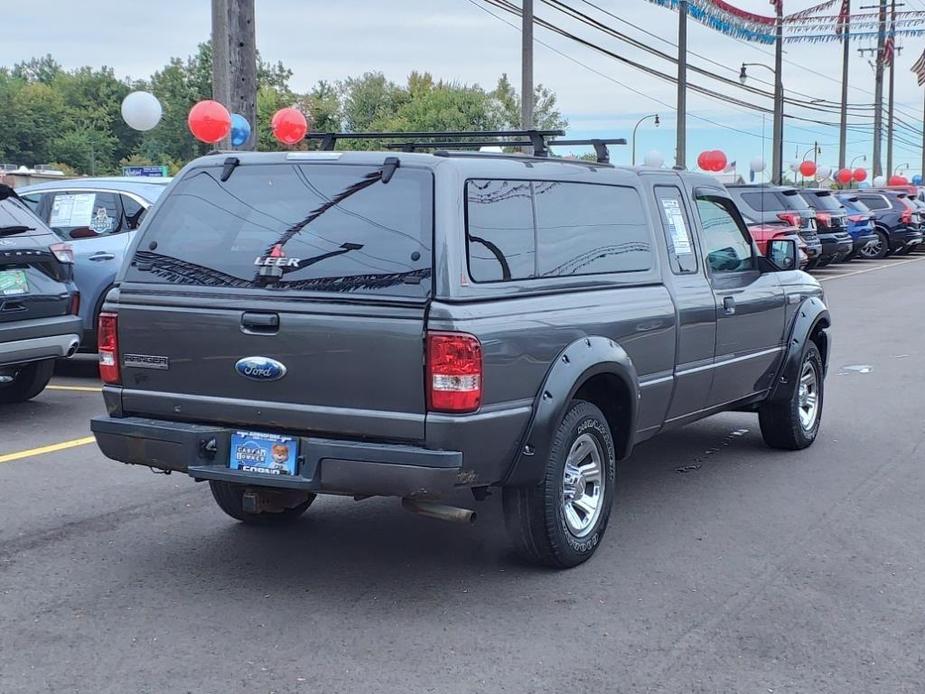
x,y
809,235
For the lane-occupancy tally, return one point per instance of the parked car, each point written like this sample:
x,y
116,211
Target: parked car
x,y
860,223
369,323
38,301
783,206
831,224
894,224
97,216
762,234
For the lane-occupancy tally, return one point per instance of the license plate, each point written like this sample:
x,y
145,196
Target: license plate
x,y
267,454
13,283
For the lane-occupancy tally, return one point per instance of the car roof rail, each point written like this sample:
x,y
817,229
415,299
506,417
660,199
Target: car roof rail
x,y
536,138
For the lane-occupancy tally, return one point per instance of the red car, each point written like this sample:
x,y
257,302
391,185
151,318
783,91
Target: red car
x,y
762,233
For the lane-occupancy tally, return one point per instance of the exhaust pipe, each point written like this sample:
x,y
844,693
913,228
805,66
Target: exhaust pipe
x,y
432,509
72,348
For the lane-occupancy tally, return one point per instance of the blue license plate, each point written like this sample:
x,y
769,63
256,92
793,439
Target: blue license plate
x,y
268,454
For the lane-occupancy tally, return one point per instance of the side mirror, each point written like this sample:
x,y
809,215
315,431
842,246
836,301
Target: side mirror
x,y
783,254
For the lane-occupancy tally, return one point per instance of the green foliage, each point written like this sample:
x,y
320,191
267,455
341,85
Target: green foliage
x,y
73,117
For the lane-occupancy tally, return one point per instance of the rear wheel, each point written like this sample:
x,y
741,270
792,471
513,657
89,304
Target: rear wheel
x,y
877,249
793,423
25,382
284,507
561,522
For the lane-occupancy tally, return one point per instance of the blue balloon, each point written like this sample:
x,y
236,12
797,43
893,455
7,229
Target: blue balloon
x,y
863,184
917,180
240,130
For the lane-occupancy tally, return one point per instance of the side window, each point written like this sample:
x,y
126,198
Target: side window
x,y
586,229
874,202
761,200
85,214
673,213
499,230
724,242
32,200
134,212
533,229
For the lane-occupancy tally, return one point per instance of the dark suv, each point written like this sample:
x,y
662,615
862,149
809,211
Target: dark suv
x,y
896,221
38,301
768,204
831,224
361,323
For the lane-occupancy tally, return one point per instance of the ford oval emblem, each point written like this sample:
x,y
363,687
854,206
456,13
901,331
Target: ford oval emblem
x,y
260,368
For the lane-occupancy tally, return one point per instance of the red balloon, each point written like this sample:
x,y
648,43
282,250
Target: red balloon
x,y
898,181
844,176
808,168
703,160
718,160
289,125
860,175
209,121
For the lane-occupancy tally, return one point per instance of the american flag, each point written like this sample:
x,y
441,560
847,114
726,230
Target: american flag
x,y
918,67
888,50
843,17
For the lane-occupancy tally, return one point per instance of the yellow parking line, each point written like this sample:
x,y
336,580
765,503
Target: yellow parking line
x,y
82,389
19,455
871,269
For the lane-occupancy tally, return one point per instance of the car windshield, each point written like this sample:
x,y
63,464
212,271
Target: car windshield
x,y
822,201
855,205
312,227
795,201
15,215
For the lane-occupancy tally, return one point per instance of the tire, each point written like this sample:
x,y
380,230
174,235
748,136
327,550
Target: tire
x,y
28,381
812,264
786,424
229,498
541,528
878,250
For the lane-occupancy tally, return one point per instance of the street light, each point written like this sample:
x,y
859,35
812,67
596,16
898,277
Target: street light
x,y
644,118
862,157
900,168
777,149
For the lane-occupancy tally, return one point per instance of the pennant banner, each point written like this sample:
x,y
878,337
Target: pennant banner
x,y
727,19
821,7
828,38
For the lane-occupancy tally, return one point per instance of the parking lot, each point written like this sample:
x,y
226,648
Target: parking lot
x,y
728,567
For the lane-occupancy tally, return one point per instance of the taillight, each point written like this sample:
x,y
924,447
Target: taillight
x,y
63,252
906,217
454,372
792,218
823,218
108,347
74,307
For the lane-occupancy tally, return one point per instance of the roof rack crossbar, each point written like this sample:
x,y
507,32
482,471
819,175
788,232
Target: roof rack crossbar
x,y
537,138
412,146
599,144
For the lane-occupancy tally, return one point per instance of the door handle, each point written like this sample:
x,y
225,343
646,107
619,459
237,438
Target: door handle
x,y
729,305
102,255
260,323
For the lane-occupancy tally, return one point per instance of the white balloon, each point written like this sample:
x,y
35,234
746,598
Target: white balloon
x,y
757,165
879,181
141,110
823,172
794,166
654,158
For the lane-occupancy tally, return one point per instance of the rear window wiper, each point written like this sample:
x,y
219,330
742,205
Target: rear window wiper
x,y
15,229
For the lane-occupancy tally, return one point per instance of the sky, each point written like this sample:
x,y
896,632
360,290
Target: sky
x,y
460,40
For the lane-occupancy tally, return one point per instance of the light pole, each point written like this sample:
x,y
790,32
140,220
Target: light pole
x,y
777,148
816,150
644,118
900,168
862,157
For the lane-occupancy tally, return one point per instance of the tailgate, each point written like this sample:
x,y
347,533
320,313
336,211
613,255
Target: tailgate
x,y
346,370
31,285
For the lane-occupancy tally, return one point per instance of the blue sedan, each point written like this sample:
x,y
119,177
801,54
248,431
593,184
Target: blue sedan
x,y
98,217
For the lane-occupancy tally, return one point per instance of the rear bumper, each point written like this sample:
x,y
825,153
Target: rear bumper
x,y
905,237
836,246
324,465
863,240
34,340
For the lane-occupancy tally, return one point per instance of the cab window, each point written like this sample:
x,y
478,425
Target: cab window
x,y
725,245
82,214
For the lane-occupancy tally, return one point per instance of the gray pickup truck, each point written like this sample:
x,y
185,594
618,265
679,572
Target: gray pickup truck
x,y
408,325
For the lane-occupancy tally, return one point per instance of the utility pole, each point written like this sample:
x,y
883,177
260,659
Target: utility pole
x,y
878,91
234,61
846,54
777,155
923,142
681,146
893,53
526,70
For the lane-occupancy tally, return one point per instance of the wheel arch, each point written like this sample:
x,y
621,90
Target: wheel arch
x,y
810,324
593,368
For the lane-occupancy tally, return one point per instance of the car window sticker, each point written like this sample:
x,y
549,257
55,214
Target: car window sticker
x,y
680,239
72,210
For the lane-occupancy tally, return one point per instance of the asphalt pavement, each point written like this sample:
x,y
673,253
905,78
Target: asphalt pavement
x,y
727,567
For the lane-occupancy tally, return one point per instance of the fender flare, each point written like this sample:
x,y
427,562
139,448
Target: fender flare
x,y
811,317
573,367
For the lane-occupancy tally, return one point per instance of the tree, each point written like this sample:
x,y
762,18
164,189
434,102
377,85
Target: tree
x,y
546,115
